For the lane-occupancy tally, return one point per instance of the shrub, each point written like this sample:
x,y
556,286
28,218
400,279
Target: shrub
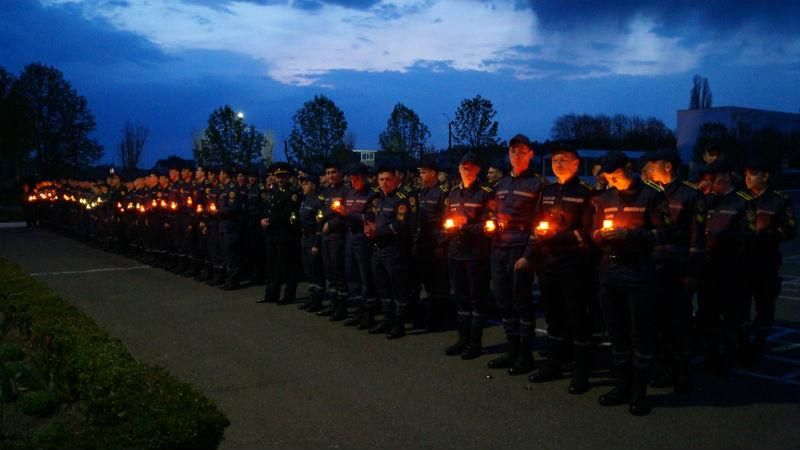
x,y
36,403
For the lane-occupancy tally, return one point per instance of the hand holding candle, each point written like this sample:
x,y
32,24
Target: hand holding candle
x,y
449,225
543,229
608,224
489,227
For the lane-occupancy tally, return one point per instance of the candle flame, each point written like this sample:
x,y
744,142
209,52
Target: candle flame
x,y
608,224
489,226
544,225
449,223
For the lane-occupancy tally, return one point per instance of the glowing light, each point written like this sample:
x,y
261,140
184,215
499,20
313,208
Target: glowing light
x,y
449,224
544,225
189,201
608,224
199,209
173,206
489,226
213,207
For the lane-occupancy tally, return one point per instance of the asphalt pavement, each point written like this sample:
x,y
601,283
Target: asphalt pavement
x,y
290,380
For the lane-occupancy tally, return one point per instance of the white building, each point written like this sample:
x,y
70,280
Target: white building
x,y
733,117
367,157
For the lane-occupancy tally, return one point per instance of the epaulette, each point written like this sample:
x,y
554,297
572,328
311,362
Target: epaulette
x,y
542,178
782,194
487,189
443,188
407,188
586,185
691,185
745,195
400,194
261,186
655,186
322,197
376,189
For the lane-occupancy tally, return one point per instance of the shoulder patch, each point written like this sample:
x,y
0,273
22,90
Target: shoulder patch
x,y
691,185
375,189
443,188
295,197
232,195
744,195
400,195
655,186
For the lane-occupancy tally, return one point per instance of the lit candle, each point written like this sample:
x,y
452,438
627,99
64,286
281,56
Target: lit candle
x,y
163,203
336,205
189,201
119,205
320,215
212,208
489,226
173,206
543,225
449,223
199,209
608,224
130,205
154,203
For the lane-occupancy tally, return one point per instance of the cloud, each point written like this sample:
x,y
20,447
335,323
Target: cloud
x,y
301,41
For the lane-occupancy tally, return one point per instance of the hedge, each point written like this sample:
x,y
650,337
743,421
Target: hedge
x,y
126,404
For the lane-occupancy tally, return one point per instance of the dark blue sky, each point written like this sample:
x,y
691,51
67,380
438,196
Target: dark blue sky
x,y
166,64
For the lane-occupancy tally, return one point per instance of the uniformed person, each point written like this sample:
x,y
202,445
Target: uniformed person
x,y
279,220
677,262
629,220
215,265
775,223
334,229
391,236
358,248
512,276
117,202
310,216
730,228
430,248
470,205
229,210
559,246
254,241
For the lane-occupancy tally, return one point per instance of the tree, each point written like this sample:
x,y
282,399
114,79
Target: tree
x,y
55,122
229,141
405,134
474,125
268,147
12,154
318,133
700,96
131,145
615,132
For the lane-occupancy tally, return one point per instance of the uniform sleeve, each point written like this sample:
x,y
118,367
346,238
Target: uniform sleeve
x,y
787,227
697,233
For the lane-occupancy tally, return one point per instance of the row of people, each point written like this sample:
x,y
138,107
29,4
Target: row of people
x,y
641,247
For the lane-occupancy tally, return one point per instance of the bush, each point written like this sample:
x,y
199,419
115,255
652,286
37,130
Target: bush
x,y
127,404
36,403
11,352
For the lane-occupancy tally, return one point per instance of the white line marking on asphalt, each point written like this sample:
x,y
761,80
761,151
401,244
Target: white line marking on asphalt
x,y
766,377
75,272
12,225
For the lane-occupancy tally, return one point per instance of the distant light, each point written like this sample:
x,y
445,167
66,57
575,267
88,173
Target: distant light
x,y
240,115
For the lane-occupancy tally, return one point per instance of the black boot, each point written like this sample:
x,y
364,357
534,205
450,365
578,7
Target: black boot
x,y
552,369
340,313
367,319
580,375
330,309
463,338
508,358
524,362
683,378
289,294
639,405
356,319
621,393
218,278
315,305
475,346
384,326
398,329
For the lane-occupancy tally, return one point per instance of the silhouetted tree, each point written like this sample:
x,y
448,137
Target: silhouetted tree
x,y
405,134
229,141
131,145
318,133
474,125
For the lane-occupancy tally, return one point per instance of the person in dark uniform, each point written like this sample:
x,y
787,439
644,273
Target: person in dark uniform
x,y
470,205
334,229
215,264
279,220
309,218
358,248
775,223
512,277
629,220
678,263
240,177
195,202
495,173
117,202
430,248
560,246
28,202
229,210
391,235
730,228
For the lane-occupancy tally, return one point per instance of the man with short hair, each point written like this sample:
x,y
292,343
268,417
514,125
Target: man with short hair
x,y
311,239
229,210
334,229
516,198
391,235
629,220
470,205
775,223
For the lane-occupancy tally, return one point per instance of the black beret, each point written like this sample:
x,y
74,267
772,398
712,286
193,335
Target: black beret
x,y
614,160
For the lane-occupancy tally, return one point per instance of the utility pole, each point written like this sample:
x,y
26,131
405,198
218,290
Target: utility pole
x,y
449,131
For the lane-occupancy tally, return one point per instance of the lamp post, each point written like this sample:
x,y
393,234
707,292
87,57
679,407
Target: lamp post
x,y
449,131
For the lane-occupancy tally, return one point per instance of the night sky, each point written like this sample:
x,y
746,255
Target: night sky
x,y
166,64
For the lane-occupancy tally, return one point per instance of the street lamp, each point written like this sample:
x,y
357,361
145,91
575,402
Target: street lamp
x,y
240,115
449,131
